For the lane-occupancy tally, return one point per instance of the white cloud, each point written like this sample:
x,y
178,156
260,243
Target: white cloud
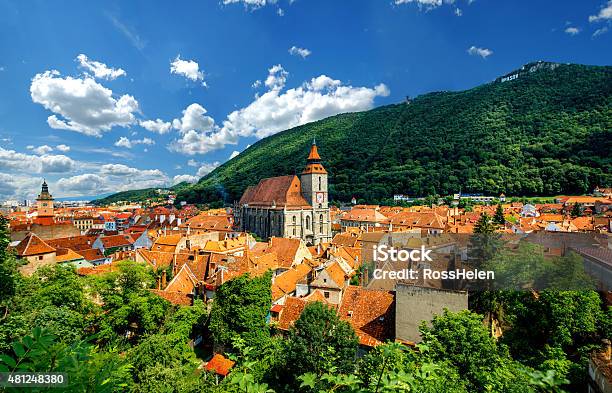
x,y
100,70
187,68
12,161
605,13
206,168
124,170
192,162
234,154
84,105
277,110
256,84
572,30
158,125
458,12
40,150
277,77
128,144
429,4
19,187
63,148
482,52
184,178
600,31
87,183
302,52
194,118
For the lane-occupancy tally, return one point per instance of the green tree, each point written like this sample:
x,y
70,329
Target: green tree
x,y
498,218
576,210
319,341
8,270
240,309
463,340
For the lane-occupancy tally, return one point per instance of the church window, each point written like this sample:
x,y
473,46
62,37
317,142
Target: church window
x,y
319,183
321,223
307,222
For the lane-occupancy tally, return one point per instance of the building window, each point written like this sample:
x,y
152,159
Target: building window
x,y
326,294
307,222
293,231
319,183
293,220
321,223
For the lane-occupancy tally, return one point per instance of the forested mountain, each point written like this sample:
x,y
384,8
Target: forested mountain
x,y
545,129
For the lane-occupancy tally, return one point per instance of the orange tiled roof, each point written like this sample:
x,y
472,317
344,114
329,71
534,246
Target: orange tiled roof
x,y
116,241
282,191
33,245
285,249
370,312
220,364
286,282
67,256
92,254
179,298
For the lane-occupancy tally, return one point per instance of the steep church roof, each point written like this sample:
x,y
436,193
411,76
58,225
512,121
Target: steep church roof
x,y
281,191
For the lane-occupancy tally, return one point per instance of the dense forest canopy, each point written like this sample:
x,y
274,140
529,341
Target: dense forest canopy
x,y
547,132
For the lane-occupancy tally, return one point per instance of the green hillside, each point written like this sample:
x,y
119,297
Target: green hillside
x,y
547,132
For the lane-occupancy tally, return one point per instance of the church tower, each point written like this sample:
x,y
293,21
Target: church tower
x,y
315,191
314,180
44,202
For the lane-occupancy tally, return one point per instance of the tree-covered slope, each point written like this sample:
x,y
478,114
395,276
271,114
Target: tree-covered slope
x,y
547,132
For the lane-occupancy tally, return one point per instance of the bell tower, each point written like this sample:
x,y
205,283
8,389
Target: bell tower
x,y
44,202
314,180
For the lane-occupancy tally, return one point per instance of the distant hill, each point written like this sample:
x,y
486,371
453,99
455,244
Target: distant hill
x,y
544,129
139,195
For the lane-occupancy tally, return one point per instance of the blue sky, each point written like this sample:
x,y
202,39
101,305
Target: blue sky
x,y
105,96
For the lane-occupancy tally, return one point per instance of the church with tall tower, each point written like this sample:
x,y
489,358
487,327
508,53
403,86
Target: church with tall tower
x,y
44,202
289,206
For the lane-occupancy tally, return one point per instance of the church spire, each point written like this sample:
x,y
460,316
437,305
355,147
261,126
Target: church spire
x,y
313,162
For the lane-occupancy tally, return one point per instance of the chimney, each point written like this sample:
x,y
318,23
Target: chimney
x,y
158,284
607,349
163,279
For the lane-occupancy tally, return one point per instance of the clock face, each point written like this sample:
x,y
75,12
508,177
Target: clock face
x,y
320,197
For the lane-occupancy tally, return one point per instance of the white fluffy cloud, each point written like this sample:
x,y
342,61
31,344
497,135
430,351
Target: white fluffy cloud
x,y
277,77
605,13
194,118
482,52
12,161
206,168
187,68
100,70
302,52
128,144
40,150
84,105
572,30
235,153
158,125
63,148
184,178
277,110
85,184
19,187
